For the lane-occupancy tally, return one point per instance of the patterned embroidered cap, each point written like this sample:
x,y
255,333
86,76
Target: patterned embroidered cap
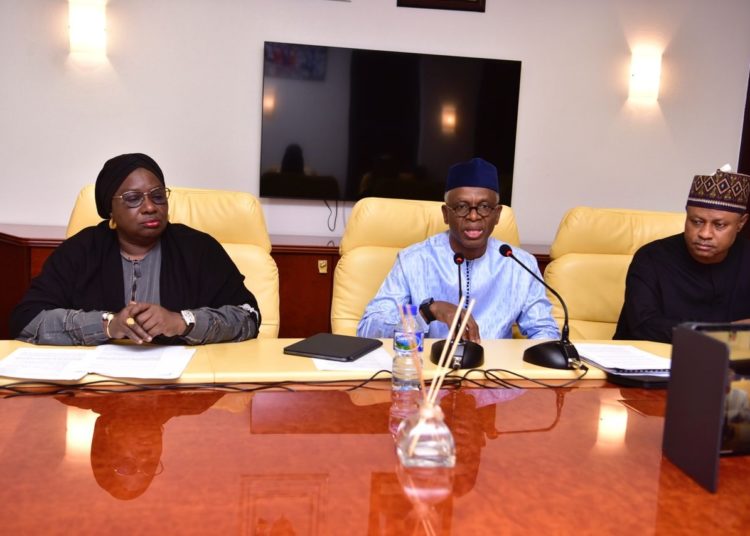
x,y
721,191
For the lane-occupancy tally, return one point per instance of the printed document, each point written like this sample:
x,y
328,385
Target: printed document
x,y
115,361
624,359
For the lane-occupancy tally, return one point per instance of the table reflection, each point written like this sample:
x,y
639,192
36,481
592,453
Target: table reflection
x,y
528,462
471,422
126,445
428,490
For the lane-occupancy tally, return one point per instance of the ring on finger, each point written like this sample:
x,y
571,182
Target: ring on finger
x,y
130,321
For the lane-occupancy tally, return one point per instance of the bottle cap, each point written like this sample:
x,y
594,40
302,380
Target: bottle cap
x,y
409,309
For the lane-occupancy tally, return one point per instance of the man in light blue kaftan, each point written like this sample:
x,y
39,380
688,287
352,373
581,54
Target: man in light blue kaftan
x,y
425,273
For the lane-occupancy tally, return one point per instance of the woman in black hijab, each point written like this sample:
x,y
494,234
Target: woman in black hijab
x,y
135,275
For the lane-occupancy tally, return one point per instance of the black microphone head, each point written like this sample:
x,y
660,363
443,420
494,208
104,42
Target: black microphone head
x,y
458,258
506,250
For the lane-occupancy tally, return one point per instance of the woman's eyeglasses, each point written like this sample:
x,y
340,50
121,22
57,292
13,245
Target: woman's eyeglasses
x,y
134,199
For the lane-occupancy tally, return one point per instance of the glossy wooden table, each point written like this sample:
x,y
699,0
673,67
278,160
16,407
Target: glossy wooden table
x,y
538,461
263,360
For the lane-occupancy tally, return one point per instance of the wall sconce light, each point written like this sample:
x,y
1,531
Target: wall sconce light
x,y
269,103
448,119
87,26
645,74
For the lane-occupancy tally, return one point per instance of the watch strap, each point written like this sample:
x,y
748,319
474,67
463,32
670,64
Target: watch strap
x,y
424,309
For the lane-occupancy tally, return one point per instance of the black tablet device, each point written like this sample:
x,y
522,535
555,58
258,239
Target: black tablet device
x,y
334,347
708,398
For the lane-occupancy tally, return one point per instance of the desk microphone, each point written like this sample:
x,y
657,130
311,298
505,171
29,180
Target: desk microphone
x,y
552,354
468,354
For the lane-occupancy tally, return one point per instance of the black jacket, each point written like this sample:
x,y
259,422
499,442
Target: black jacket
x,y
85,273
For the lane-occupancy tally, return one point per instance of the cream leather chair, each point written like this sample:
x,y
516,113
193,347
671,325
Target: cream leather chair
x,y
376,231
590,256
235,219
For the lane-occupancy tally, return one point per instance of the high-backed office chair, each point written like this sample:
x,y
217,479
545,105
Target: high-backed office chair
x,y
590,257
235,219
376,231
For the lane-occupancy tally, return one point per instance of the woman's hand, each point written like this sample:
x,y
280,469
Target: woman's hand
x,y
141,322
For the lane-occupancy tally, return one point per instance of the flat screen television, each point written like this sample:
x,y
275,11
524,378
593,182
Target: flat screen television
x,y
345,123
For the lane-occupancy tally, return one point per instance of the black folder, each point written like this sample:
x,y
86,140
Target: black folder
x,y
334,347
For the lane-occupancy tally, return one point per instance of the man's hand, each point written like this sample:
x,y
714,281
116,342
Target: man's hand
x,y
444,312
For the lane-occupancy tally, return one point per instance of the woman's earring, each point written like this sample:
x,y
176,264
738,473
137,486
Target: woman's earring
x,y
112,224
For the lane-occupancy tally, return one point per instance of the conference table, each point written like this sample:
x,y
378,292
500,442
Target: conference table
x,y
263,360
315,458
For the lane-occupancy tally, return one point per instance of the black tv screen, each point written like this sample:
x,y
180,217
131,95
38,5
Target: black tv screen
x,y
344,123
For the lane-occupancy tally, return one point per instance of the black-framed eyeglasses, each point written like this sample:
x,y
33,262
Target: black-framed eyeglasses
x,y
134,199
462,210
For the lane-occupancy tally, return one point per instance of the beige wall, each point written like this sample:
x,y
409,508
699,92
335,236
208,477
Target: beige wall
x,y
183,84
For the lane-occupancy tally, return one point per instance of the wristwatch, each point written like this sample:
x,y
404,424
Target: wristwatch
x,y
189,319
424,308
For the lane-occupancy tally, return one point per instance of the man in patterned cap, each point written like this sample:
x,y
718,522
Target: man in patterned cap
x,y
425,273
702,274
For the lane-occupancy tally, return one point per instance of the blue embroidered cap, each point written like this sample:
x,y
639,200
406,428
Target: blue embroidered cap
x,y
476,173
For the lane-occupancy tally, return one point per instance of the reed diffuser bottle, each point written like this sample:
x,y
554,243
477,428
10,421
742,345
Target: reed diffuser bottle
x,y
424,440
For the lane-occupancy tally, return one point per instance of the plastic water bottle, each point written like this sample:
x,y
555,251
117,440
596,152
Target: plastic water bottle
x,y
424,440
407,339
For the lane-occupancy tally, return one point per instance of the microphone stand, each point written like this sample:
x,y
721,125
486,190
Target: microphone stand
x,y
551,354
468,354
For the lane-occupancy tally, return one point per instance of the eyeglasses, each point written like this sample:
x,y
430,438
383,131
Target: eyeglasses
x,y
462,210
134,199
129,466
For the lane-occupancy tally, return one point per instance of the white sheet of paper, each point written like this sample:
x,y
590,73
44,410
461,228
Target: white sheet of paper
x,y
46,364
378,359
152,362
115,361
624,357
